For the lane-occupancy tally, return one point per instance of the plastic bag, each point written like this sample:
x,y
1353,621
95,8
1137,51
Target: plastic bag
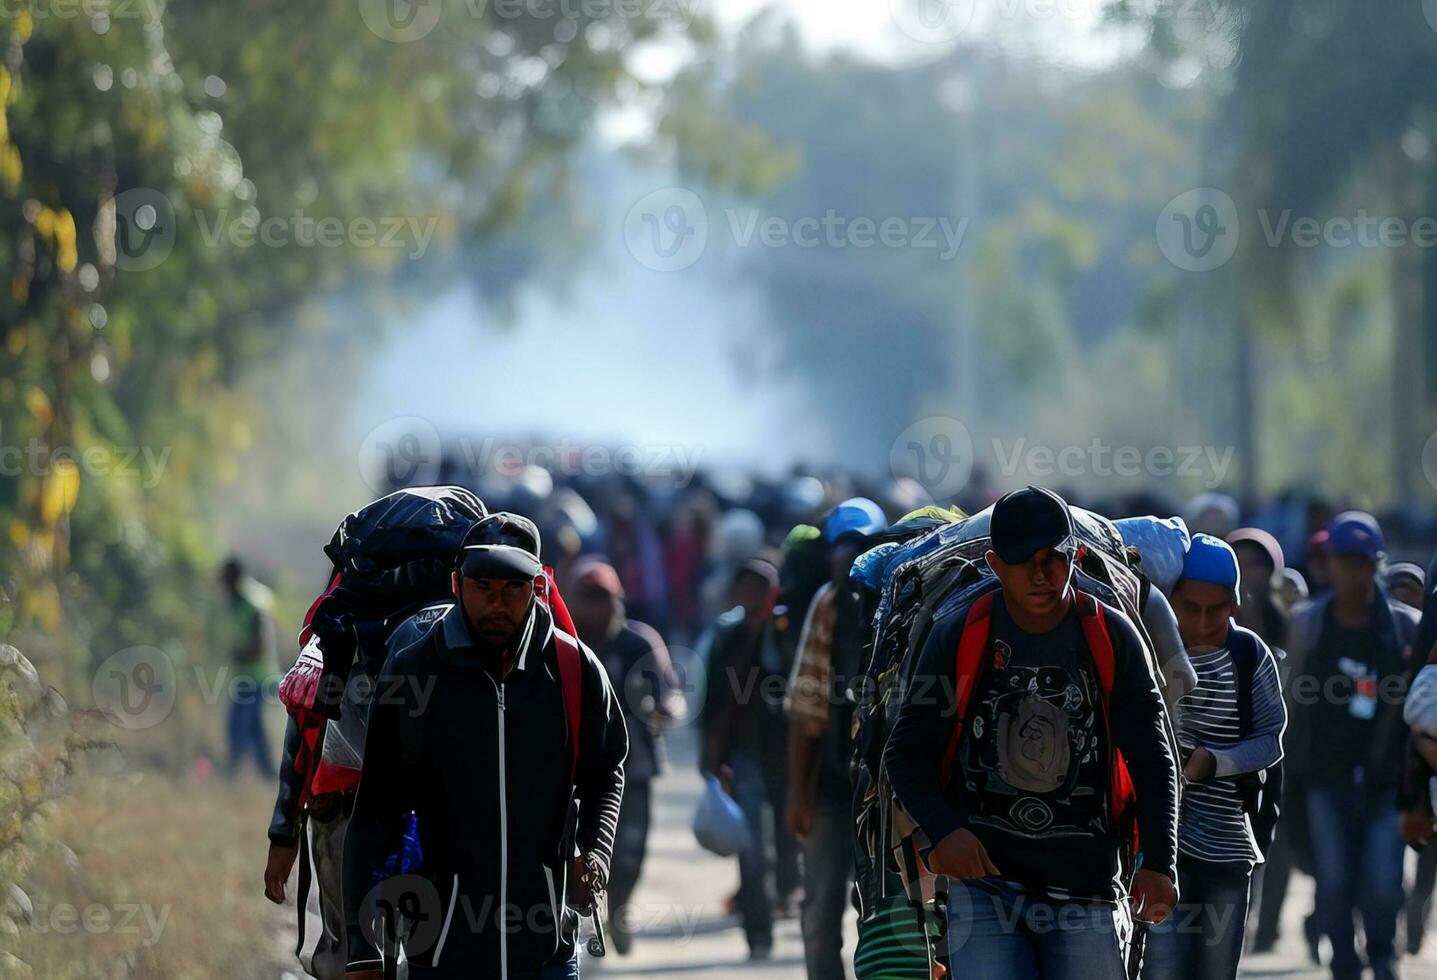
x,y
719,825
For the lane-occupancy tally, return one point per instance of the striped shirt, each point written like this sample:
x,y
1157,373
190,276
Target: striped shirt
x,y
1211,823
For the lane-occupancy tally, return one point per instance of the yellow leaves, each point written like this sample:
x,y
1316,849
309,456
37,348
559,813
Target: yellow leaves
x,y
37,403
10,165
59,228
19,534
59,491
24,26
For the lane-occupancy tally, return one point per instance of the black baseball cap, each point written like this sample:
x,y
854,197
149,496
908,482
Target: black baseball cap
x,y
1026,521
502,545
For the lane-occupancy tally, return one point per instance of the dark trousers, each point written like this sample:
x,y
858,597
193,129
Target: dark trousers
x,y
1357,849
774,764
827,871
631,842
246,728
1419,902
752,796
1202,938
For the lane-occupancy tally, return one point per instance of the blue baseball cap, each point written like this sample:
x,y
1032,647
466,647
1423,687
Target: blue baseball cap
x,y
1211,559
855,516
1355,532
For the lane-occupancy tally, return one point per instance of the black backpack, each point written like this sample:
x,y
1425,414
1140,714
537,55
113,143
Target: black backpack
x,y
1261,791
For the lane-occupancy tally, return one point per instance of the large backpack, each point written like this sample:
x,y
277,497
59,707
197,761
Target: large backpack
x,y
1261,791
389,584
938,575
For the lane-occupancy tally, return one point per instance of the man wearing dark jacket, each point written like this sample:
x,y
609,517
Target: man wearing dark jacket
x,y
464,842
651,696
1010,769
1348,743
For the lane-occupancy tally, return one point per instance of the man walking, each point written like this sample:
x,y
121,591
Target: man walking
x,y
639,668
820,739
744,743
485,737
1032,734
1229,731
249,641
1348,741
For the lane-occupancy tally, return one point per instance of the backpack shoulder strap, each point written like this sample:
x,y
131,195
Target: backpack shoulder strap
x,y
571,680
972,645
1242,648
1100,644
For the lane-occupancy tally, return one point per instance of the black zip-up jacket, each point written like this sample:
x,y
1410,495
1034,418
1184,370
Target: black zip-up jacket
x,y
483,763
1082,867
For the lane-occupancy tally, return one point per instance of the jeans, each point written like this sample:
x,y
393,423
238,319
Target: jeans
x,y
246,728
754,909
1357,849
568,970
1202,938
827,871
998,928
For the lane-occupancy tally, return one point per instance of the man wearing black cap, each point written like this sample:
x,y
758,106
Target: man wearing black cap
x,y
1031,734
463,833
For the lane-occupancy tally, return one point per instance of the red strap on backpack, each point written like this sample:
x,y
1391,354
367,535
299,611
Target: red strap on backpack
x,y
972,646
969,661
1100,646
571,672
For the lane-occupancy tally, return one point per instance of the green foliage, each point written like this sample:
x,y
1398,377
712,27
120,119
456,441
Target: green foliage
x,y
233,119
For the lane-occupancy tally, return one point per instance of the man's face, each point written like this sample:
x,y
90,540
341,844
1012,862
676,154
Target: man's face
x,y
1203,610
1255,572
1038,586
596,611
841,558
1352,575
495,607
756,596
1408,591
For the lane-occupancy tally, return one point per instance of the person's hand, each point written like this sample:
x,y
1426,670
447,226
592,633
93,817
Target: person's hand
x,y
798,815
1153,896
583,888
725,778
276,871
1201,766
961,855
1417,826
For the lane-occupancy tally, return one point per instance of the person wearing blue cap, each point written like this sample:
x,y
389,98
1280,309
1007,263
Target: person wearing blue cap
x,y
1229,730
1347,742
820,738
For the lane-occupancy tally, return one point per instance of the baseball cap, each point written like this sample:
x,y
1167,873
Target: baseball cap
x,y
1407,569
1026,521
1211,559
1258,537
855,516
502,545
1355,532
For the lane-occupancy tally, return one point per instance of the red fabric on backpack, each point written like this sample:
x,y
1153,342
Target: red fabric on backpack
x,y
571,674
969,662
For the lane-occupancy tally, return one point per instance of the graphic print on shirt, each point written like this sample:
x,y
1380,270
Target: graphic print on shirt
x,y
1032,755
